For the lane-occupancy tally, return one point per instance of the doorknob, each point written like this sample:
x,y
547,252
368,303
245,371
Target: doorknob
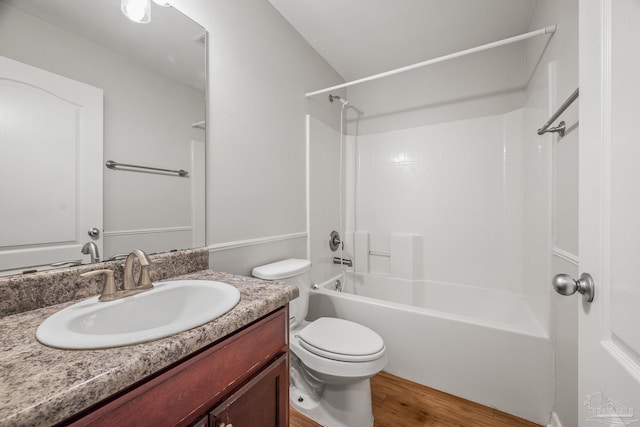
x,y
566,285
93,232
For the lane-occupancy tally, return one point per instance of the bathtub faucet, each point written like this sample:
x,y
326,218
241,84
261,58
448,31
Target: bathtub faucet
x,y
343,261
90,248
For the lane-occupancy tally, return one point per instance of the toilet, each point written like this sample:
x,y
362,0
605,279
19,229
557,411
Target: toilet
x,y
331,359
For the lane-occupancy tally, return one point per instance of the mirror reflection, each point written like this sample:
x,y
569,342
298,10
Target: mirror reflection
x,y
80,85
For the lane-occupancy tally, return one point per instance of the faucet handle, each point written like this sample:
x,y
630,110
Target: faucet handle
x,y
144,280
109,289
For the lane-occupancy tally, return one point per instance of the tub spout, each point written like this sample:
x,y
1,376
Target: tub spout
x,y
90,248
343,261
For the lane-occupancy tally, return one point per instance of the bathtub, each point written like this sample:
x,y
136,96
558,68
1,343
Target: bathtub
x,y
479,344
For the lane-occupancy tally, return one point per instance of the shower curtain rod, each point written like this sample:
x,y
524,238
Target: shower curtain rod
x,y
541,31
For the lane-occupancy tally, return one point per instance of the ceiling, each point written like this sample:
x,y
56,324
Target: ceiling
x,y
167,43
364,37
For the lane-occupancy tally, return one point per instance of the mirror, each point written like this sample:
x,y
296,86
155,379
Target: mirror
x,y
151,78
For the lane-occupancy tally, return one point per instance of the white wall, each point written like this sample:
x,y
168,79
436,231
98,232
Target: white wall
x,y
560,55
459,185
147,120
259,70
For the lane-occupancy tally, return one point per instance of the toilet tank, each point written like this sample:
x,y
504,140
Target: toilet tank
x,y
294,272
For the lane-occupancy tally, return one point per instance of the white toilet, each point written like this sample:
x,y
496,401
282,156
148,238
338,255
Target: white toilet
x,y
331,359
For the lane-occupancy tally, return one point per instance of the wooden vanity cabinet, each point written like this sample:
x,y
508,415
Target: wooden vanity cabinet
x,y
242,380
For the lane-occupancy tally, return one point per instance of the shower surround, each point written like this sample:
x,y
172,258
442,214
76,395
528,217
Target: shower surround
x,y
472,197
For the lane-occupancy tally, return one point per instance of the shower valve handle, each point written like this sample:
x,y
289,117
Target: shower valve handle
x,y
334,241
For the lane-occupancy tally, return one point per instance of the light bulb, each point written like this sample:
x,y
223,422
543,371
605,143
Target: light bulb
x,y
136,10
164,3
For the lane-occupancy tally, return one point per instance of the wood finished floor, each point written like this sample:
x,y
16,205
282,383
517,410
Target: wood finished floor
x,y
401,403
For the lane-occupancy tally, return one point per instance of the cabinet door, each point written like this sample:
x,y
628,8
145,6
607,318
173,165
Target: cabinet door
x,y
262,402
203,422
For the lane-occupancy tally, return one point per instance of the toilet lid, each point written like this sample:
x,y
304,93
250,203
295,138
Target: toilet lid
x,y
282,269
342,340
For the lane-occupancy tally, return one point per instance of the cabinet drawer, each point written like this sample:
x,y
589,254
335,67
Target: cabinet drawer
x,y
182,394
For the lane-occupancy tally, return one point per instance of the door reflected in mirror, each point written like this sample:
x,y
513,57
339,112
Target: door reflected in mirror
x,y
152,80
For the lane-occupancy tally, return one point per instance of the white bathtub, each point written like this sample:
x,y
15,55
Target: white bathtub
x,y
483,345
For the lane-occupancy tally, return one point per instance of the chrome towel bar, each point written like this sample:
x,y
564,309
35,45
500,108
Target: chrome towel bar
x,y
113,165
562,125
382,254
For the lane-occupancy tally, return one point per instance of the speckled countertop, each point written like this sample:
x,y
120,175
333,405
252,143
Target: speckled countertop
x,y
40,385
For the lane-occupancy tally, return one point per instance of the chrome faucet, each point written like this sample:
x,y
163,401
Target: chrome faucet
x,y
130,284
90,248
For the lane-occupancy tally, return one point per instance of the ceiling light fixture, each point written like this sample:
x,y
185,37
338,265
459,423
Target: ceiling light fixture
x,y
136,10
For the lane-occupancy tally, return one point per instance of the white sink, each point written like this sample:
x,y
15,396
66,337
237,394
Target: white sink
x,y
170,307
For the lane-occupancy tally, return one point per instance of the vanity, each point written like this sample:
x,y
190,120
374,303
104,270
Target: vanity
x,y
231,371
241,380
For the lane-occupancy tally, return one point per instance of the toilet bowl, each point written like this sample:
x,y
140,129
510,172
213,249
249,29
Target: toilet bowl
x,y
331,359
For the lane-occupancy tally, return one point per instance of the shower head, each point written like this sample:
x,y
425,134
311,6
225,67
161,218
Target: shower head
x,y
344,102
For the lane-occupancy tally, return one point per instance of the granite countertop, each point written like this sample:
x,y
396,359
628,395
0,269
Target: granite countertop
x,y
40,385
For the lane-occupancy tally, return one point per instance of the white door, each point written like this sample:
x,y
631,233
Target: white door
x,y
50,166
609,349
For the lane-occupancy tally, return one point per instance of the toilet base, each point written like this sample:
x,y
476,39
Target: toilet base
x,y
341,405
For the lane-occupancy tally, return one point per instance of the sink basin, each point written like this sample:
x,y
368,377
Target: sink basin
x,y
170,307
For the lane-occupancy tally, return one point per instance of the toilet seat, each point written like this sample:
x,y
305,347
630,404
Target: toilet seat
x,y
341,340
